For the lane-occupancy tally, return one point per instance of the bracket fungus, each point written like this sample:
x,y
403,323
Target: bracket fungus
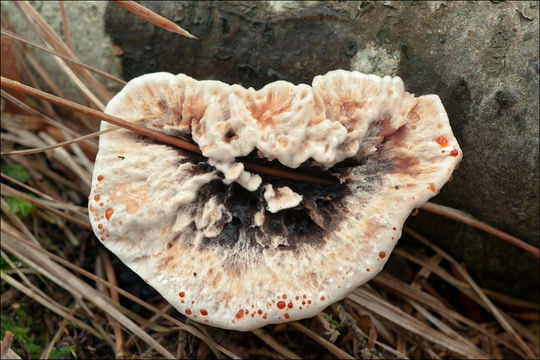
x,y
239,250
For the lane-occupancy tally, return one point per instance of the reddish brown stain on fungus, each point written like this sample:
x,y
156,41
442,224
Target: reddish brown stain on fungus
x,y
108,213
96,198
181,294
442,141
454,153
259,312
286,316
100,177
188,312
382,254
394,228
100,226
322,298
101,204
281,305
432,187
309,302
240,314
297,298
283,296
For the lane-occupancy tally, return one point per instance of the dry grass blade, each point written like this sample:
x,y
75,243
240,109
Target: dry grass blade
x,y
111,277
51,38
154,18
340,354
469,220
282,350
57,145
406,321
73,284
49,305
124,293
91,146
496,312
165,139
29,188
410,292
65,25
8,33
40,203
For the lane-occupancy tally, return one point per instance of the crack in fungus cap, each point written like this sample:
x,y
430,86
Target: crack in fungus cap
x,y
239,250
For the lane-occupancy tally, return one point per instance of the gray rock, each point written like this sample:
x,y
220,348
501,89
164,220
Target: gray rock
x,y
481,58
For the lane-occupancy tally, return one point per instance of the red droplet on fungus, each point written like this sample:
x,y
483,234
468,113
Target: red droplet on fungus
x,y
281,304
188,312
181,294
454,153
259,311
286,316
382,254
290,305
204,312
240,314
322,298
96,198
283,296
100,177
441,140
108,213
100,226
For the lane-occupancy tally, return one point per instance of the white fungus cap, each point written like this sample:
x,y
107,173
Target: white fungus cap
x,y
237,250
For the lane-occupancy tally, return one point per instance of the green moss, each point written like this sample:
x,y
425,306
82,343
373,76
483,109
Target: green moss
x,y
20,324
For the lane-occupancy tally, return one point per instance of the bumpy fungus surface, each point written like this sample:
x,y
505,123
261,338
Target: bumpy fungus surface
x,y
238,250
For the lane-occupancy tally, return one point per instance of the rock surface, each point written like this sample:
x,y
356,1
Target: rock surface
x,y
481,58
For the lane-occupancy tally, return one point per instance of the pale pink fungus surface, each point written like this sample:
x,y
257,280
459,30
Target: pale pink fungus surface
x,y
238,250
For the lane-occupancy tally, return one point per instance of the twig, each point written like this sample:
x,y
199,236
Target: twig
x,y
156,135
154,18
469,220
